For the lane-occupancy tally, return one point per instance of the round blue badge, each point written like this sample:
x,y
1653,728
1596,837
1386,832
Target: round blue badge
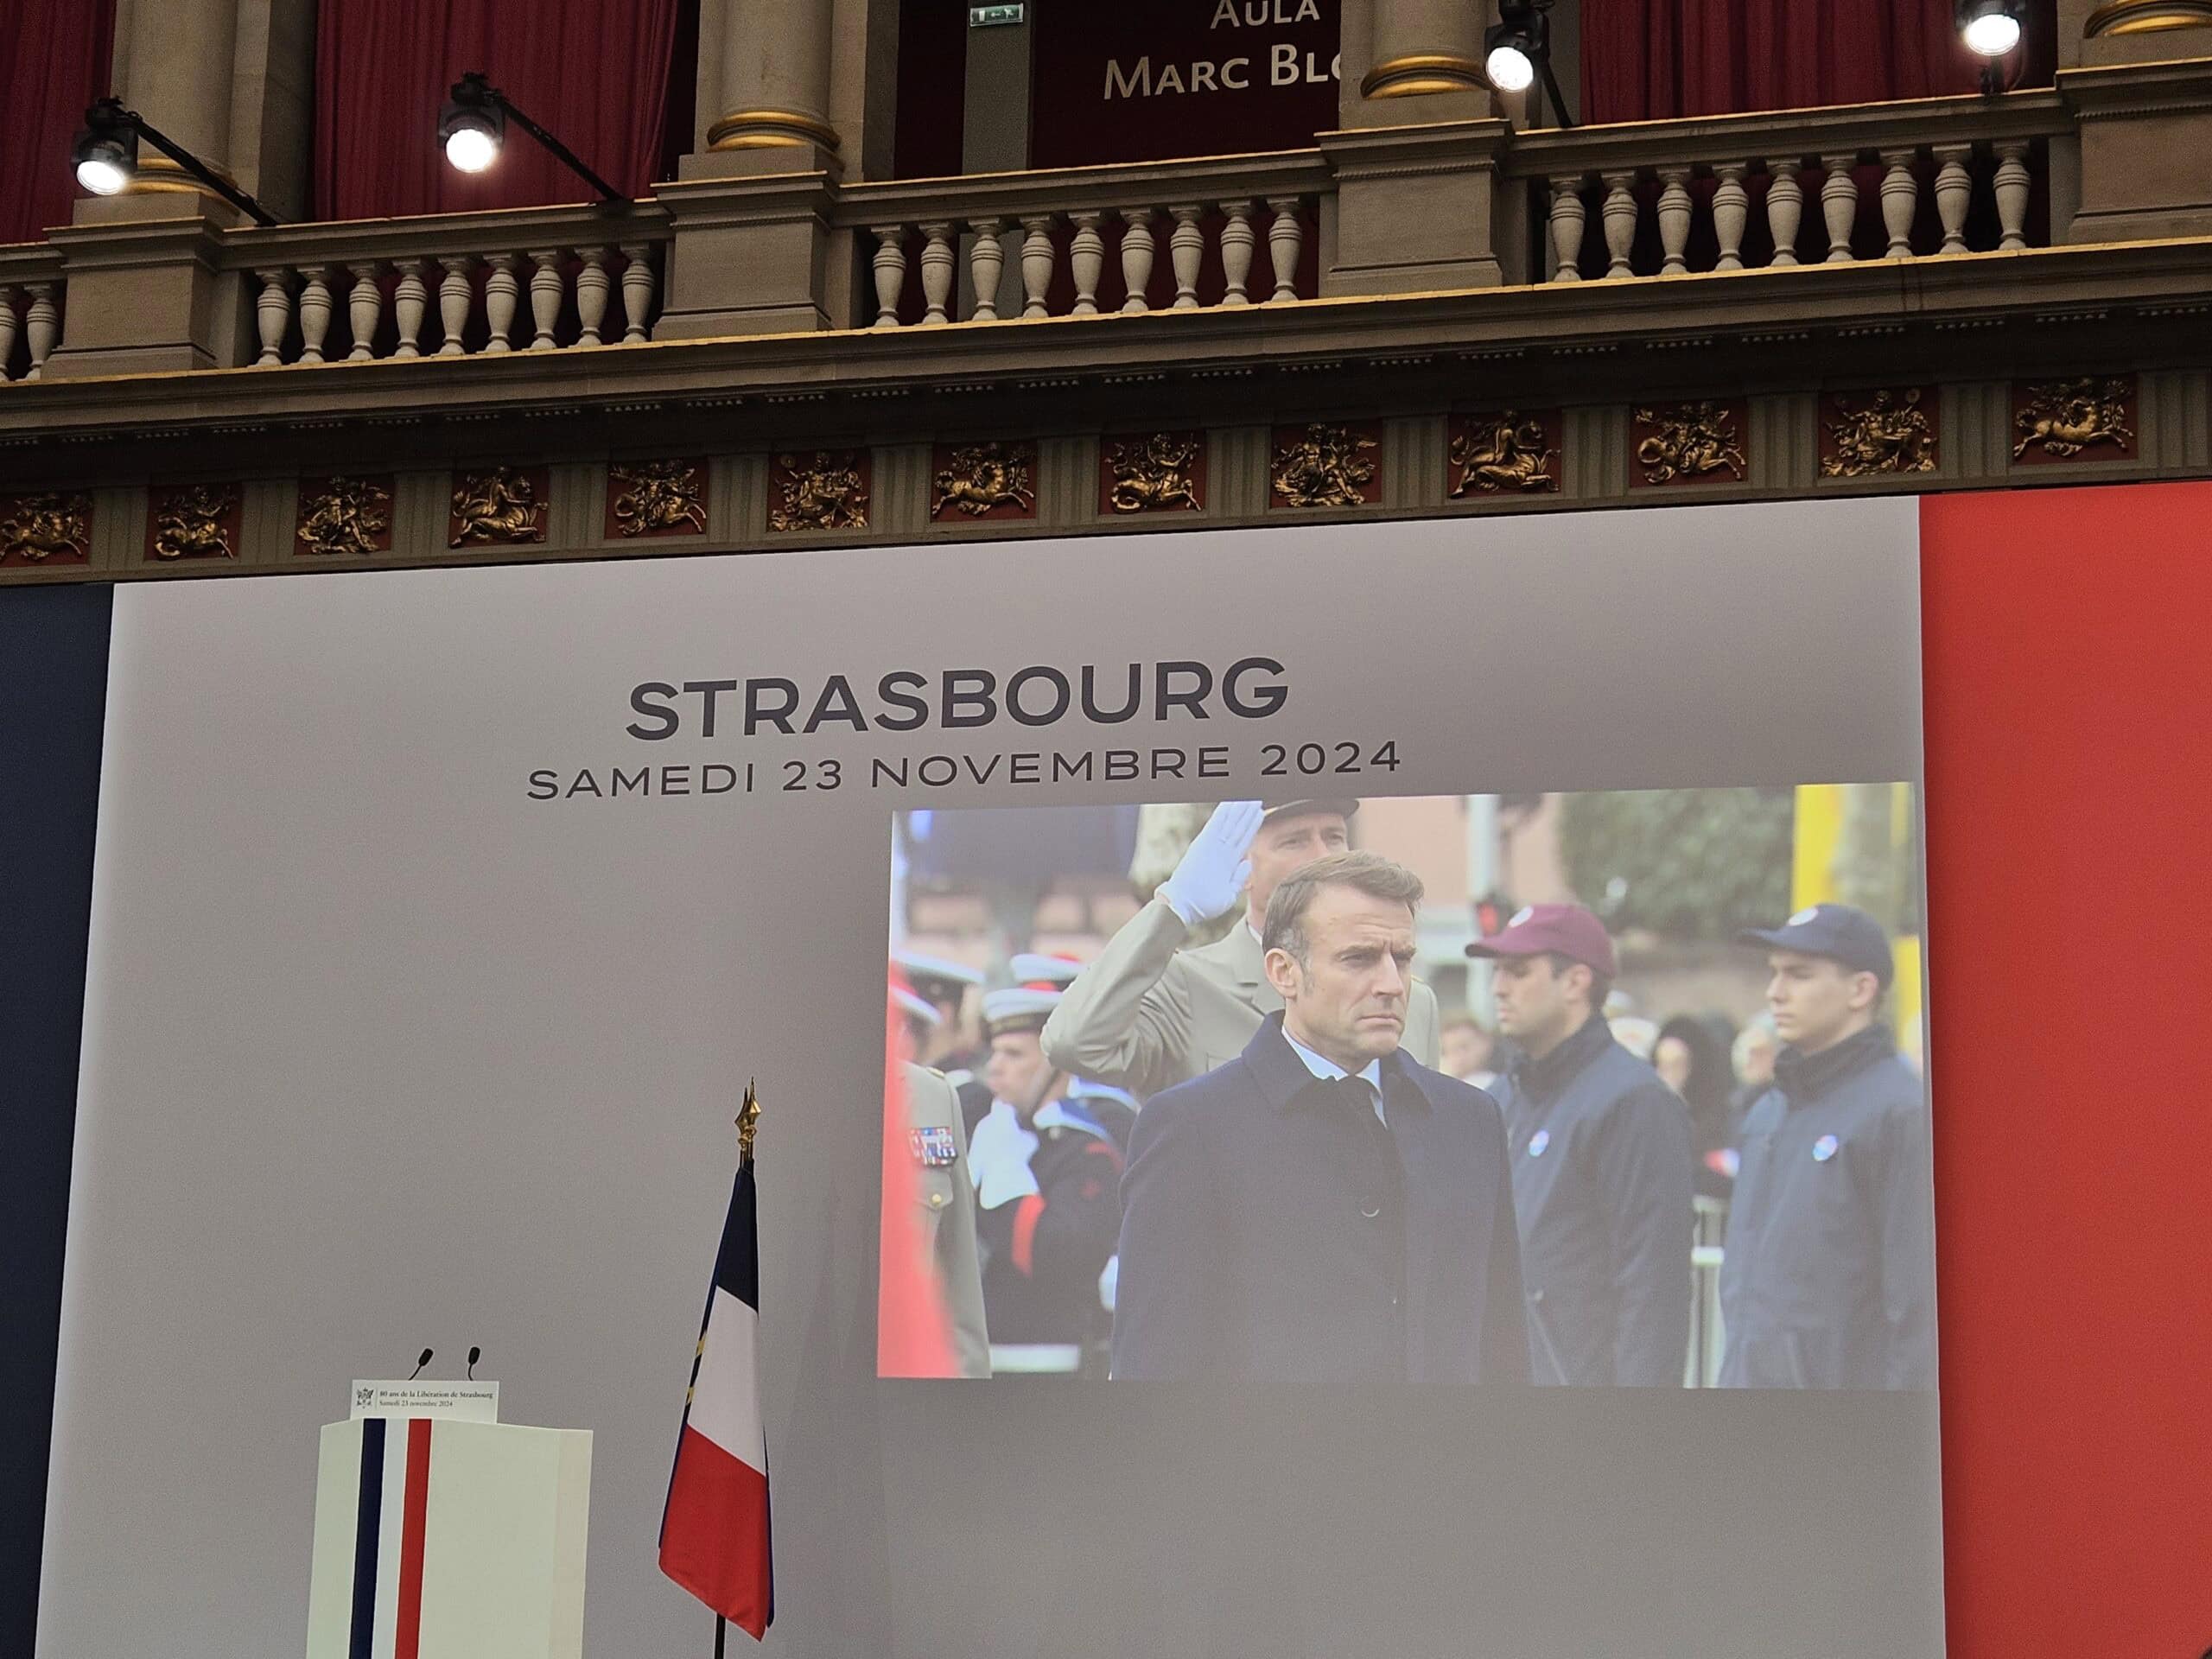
x,y
1824,1149
1538,1141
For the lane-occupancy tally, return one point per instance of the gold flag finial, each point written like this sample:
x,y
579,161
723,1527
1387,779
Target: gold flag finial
x,y
748,1122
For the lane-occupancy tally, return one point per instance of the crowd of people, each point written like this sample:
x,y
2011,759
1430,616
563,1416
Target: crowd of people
x,y
1269,1157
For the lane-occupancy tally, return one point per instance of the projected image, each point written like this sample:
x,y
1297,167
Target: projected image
x,y
1600,1090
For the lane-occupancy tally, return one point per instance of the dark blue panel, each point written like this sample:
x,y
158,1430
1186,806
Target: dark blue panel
x,y
53,698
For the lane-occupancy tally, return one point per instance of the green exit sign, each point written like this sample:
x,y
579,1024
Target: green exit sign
x,y
992,16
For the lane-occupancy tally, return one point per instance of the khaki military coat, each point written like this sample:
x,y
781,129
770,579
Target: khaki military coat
x,y
948,1206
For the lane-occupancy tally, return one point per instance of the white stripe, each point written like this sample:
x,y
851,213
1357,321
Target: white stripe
x,y
383,1641
725,1402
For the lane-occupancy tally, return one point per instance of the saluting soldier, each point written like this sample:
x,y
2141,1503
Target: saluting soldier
x,y
1147,1014
937,1139
1601,1159
1829,1276
1047,1162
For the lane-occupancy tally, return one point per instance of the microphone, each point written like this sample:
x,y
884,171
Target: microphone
x,y
475,1354
419,1365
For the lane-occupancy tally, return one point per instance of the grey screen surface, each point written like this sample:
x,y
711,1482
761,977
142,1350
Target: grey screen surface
x,y
381,1051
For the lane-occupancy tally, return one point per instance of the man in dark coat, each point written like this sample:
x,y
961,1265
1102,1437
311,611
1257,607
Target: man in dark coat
x,y
1323,1208
1830,1278
1602,1163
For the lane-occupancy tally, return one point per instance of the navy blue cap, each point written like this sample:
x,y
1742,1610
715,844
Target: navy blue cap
x,y
1839,932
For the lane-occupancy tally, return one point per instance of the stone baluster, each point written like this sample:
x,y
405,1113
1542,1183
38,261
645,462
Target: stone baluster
x,y
544,296
890,268
1185,247
1237,241
1620,223
1953,194
1730,207
409,300
453,303
272,314
2011,184
1785,211
314,311
1137,251
1036,263
938,261
985,260
1900,201
7,326
1839,205
593,285
1087,261
42,327
502,294
1674,220
1286,241
364,311
1568,218
636,292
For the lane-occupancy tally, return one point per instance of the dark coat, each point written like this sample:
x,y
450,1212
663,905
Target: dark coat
x,y
1043,1254
1830,1278
1273,1231
1602,1168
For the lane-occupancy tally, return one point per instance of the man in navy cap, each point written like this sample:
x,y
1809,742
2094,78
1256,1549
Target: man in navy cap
x,y
1830,1278
1148,1013
1601,1159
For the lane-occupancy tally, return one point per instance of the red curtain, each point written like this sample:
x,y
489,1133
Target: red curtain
x,y
63,49
1649,60
595,71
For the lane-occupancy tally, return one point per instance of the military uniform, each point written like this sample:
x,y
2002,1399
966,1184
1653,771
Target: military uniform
x,y
1147,1014
938,1141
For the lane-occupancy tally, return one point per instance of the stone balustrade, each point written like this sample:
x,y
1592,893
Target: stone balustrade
x,y
31,290
1230,230
451,285
1921,178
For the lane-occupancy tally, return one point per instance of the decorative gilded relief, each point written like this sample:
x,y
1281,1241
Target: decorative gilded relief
x,y
197,521
50,524
2059,420
1163,472
1510,453
1885,431
1323,465
826,490
656,498
984,480
505,505
1687,443
340,516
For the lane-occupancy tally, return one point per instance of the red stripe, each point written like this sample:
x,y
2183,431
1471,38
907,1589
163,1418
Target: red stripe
x,y
1026,1215
714,1540
415,1512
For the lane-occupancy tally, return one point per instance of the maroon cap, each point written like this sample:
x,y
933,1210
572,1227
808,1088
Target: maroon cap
x,y
1536,930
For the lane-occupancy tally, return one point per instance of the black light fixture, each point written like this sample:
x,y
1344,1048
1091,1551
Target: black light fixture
x,y
106,158
473,127
1990,28
1516,51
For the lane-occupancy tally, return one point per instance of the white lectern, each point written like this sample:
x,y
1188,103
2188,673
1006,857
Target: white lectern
x,y
436,1538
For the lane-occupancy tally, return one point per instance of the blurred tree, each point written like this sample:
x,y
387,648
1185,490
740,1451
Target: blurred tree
x,y
1688,863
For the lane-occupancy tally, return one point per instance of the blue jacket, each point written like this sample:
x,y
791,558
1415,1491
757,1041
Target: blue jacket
x,y
1602,1186
1273,1231
1830,1279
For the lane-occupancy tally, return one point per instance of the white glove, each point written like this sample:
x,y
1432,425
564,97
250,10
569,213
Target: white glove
x,y
998,1158
1211,874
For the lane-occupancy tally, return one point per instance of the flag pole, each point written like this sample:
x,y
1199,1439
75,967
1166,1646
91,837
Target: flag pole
x,y
721,1631
748,1125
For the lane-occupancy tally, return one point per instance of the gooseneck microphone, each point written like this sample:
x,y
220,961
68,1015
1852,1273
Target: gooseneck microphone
x,y
475,1354
419,1365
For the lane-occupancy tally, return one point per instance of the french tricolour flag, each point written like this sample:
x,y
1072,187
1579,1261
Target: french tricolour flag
x,y
713,1534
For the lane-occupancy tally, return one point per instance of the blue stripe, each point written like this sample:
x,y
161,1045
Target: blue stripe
x,y
366,1521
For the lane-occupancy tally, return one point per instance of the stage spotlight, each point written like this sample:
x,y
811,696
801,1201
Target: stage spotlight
x,y
1518,51
473,127
1990,27
105,154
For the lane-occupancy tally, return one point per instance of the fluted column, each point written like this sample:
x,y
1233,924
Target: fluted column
x,y
175,66
775,78
1425,47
